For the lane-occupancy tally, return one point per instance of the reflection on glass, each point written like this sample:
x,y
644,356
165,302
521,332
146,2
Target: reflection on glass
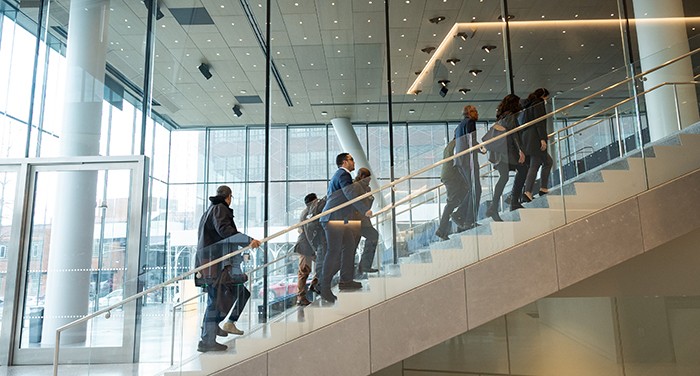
x,y
105,277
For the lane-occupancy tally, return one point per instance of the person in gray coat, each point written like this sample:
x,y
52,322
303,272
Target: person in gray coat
x,y
509,159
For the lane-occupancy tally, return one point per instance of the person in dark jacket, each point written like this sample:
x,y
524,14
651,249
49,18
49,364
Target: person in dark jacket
x,y
342,228
468,166
311,247
510,158
534,140
218,236
456,191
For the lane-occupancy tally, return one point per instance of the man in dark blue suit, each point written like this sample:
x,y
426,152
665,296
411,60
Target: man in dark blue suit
x,y
468,166
342,228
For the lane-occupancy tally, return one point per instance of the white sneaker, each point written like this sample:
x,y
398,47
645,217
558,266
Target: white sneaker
x,y
231,328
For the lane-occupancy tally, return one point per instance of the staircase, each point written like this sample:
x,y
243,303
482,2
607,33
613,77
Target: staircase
x,y
602,218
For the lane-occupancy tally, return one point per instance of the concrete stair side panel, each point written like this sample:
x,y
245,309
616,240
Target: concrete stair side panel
x,y
673,161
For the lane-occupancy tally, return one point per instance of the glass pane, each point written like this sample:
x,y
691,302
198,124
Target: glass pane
x,y
92,263
187,157
8,183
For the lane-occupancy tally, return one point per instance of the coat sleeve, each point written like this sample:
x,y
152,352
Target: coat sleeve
x,y
352,190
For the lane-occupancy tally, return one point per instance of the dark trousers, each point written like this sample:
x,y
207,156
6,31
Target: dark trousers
x,y
537,160
469,208
212,316
503,169
371,236
342,241
456,194
518,183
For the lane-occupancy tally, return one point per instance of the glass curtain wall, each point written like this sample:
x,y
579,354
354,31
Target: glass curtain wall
x,y
329,62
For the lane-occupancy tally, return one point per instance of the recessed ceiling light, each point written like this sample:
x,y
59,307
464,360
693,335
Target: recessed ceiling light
x,y
411,111
324,113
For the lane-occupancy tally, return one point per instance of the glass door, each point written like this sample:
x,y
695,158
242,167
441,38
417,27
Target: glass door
x,y
81,247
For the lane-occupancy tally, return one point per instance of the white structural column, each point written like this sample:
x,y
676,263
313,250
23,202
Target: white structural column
x,y
662,36
72,229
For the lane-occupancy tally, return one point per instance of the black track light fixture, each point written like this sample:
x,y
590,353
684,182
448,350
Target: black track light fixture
x,y
464,90
205,70
488,48
437,20
453,61
237,110
417,91
474,72
428,50
444,82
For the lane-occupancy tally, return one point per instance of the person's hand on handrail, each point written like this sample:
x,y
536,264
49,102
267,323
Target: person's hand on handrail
x,y
254,243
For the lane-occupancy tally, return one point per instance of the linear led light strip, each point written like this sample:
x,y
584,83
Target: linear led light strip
x,y
541,23
437,53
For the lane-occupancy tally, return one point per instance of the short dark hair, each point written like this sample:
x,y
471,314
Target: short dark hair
x,y
223,191
309,198
341,158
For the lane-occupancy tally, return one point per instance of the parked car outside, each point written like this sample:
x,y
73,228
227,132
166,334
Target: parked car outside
x,y
112,298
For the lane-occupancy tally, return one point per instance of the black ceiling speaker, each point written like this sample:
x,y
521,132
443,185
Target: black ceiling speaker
x,y
237,110
443,91
204,68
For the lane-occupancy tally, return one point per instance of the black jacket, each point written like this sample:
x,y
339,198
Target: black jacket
x,y
217,236
532,135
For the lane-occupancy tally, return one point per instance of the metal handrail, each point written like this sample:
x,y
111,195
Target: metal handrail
x,y
352,201
589,117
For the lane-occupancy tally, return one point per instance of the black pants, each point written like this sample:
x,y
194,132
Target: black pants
x,y
342,241
212,315
503,169
456,194
371,236
537,160
469,208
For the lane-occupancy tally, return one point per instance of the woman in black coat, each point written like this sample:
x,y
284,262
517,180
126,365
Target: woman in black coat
x,y
534,141
510,158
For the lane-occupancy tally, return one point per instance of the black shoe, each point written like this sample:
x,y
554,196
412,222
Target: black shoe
x,y
441,235
526,198
349,285
516,207
493,213
314,288
221,333
328,296
542,193
303,301
206,347
361,270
